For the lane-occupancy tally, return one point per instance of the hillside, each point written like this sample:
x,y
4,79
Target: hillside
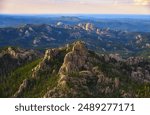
x,y
73,71
44,36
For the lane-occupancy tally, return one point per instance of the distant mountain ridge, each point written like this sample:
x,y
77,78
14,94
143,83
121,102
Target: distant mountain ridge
x,y
51,36
132,23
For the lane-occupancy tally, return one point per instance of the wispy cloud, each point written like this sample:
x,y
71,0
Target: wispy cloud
x,y
142,2
75,6
1,3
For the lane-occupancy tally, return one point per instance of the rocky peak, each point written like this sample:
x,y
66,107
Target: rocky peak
x,y
134,60
12,52
50,53
22,87
18,53
45,63
116,57
79,71
76,59
80,47
59,24
87,26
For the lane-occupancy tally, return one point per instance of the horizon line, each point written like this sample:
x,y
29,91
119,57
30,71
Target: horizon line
x,y
69,14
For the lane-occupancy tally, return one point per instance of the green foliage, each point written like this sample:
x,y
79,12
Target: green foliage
x,y
143,91
74,74
46,78
129,85
12,82
41,86
145,53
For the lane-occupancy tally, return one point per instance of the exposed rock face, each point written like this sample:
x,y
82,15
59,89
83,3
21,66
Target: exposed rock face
x,y
134,60
141,75
11,58
20,53
147,45
12,52
79,77
44,66
116,57
45,63
27,34
112,57
59,24
139,39
140,70
49,54
22,87
87,26
74,60
83,73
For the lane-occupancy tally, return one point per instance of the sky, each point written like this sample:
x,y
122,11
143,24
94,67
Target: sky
x,y
74,6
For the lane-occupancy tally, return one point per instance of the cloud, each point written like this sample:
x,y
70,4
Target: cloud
x,y
142,2
74,6
106,2
1,4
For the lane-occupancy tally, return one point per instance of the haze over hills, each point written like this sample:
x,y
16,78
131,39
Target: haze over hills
x,y
106,40
74,56
136,23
